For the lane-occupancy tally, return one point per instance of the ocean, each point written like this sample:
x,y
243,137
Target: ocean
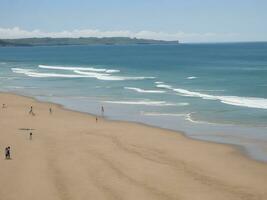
x,y
213,92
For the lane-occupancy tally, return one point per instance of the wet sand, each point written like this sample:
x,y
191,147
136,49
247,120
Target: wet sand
x,y
71,156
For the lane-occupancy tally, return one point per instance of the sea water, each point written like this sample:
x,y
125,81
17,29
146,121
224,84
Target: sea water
x,y
215,92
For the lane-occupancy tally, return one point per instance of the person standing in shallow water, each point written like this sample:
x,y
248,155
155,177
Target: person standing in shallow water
x,y
102,111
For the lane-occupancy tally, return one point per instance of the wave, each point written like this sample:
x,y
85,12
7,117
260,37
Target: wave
x,y
147,102
32,73
104,76
191,77
159,82
144,91
251,102
79,74
203,90
186,116
163,114
144,102
20,87
79,68
112,70
8,78
189,118
164,86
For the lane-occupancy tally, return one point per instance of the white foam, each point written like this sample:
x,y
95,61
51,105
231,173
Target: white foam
x,y
143,102
79,74
32,73
251,102
164,86
104,76
191,77
203,90
112,70
186,116
163,114
8,78
79,68
159,82
184,92
16,87
144,91
189,118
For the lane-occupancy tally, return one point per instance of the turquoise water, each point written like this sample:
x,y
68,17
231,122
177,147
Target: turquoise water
x,y
214,92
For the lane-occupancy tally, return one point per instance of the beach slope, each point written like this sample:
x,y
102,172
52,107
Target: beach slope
x,y
70,156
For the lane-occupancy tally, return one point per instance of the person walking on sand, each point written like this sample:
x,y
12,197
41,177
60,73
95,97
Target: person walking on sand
x,y
50,111
7,152
31,110
4,105
96,119
30,135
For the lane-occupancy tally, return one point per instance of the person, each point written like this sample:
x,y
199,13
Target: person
x,y
96,119
7,152
30,135
50,110
4,105
102,110
31,110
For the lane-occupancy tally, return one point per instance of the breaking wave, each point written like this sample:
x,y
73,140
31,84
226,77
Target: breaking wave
x,y
105,76
159,82
143,102
163,114
251,102
186,116
191,77
78,74
32,73
79,68
144,91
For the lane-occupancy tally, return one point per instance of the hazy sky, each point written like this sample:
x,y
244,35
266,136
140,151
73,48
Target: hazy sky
x,y
186,20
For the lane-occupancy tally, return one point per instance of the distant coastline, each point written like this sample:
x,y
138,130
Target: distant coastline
x,y
48,41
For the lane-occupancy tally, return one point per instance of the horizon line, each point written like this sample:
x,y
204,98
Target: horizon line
x,y
179,41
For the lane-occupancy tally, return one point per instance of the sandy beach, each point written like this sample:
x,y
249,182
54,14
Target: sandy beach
x,y
72,157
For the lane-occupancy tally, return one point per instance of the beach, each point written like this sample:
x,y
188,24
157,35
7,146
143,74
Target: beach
x,y
71,156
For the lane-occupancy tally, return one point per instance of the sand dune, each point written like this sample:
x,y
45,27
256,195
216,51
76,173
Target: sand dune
x,y
71,157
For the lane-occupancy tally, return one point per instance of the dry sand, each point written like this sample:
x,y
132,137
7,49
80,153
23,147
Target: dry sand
x,y
71,157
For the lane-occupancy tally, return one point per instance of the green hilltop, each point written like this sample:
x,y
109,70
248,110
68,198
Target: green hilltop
x,y
80,41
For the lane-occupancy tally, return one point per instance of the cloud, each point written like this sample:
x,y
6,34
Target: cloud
x,y
16,32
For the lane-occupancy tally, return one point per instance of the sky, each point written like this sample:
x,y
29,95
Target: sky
x,y
183,20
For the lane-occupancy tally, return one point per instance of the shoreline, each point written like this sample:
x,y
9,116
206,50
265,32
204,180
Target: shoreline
x,y
241,149
71,156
